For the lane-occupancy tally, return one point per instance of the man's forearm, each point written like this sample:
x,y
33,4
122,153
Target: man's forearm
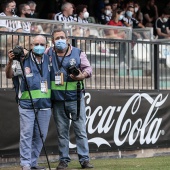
x,y
8,70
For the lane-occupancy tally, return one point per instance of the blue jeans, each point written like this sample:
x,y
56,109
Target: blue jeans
x,y
30,140
63,124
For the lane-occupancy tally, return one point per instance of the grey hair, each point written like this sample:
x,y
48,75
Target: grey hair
x,y
32,40
65,5
31,3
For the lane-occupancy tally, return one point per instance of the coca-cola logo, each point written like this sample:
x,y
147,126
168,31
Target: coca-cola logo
x,y
147,130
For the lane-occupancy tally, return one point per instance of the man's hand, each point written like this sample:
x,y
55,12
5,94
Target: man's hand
x,y
80,77
10,56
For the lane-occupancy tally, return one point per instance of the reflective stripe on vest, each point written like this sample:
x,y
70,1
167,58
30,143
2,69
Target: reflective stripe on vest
x,y
70,86
36,94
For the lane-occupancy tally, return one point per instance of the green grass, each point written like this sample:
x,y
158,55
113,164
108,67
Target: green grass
x,y
154,163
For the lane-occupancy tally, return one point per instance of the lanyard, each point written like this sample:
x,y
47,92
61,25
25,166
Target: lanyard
x,y
40,70
58,61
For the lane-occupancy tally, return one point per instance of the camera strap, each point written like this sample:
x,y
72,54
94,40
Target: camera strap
x,y
78,101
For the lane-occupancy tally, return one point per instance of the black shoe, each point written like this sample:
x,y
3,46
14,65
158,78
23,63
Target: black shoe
x,y
62,165
86,164
38,168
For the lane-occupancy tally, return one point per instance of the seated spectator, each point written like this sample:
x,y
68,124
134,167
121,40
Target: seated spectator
x,y
116,18
120,4
99,9
9,9
32,6
116,21
125,5
161,25
106,15
129,21
137,13
25,12
81,14
66,13
150,13
114,5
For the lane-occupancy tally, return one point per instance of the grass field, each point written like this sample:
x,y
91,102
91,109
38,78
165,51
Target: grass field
x,y
154,163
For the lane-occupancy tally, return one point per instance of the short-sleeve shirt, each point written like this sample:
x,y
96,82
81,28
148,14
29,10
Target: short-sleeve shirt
x,y
151,12
159,24
11,25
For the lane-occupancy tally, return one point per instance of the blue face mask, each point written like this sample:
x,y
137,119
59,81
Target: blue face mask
x,y
129,14
60,44
39,49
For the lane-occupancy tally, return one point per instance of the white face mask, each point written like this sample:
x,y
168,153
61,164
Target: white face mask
x,y
86,15
107,12
120,17
165,19
136,9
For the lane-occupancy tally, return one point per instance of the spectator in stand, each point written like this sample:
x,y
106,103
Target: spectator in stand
x,y
137,12
66,13
9,9
120,4
116,19
114,5
150,13
99,9
107,14
129,21
126,4
81,14
25,12
32,6
161,24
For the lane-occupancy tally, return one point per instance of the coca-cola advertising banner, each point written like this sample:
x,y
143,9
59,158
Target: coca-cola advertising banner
x,y
116,120
127,120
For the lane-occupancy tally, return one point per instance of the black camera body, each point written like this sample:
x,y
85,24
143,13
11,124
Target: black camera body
x,y
18,52
73,70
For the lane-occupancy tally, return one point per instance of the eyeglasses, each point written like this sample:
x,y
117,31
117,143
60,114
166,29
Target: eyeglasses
x,y
36,44
60,37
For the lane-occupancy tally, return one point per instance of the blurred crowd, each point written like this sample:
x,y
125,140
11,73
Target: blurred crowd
x,y
123,13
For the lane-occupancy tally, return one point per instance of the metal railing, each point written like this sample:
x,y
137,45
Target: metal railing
x,y
134,62
117,64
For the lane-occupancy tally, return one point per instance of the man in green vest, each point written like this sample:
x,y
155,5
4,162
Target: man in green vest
x,y
32,69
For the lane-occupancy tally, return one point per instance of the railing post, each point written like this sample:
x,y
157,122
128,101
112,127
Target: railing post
x,y
156,66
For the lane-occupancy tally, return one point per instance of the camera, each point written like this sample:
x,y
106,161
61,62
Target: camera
x,y
18,52
73,70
